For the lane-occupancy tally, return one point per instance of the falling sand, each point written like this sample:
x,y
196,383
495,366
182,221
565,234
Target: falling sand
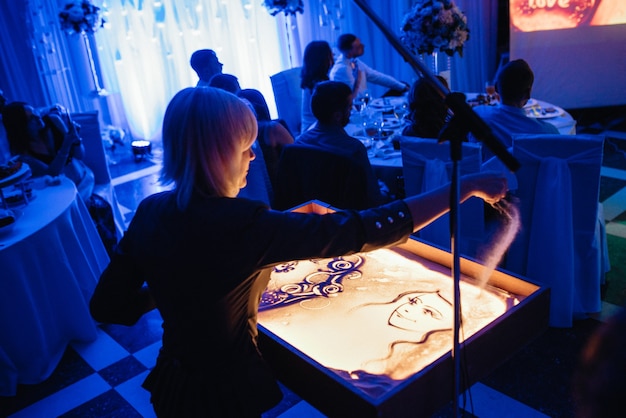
x,y
502,239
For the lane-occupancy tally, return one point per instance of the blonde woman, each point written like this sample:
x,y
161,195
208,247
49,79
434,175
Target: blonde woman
x,y
197,253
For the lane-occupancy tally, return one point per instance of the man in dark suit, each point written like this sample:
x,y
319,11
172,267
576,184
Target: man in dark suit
x,y
206,64
331,104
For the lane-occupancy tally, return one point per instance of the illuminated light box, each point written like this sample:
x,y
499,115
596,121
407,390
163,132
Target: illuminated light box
x,y
370,334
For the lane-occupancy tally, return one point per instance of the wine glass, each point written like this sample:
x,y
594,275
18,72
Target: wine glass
x,y
490,89
373,124
359,104
364,97
360,101
401,111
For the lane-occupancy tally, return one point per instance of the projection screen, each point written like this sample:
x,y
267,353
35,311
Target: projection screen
x,y
577,49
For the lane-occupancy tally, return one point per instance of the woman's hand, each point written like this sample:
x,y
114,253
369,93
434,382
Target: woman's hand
x,y
491,186
428,206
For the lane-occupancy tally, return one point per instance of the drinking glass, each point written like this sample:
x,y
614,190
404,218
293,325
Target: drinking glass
x,y
490,89
360,101
401,111
365,95
359,104
373,124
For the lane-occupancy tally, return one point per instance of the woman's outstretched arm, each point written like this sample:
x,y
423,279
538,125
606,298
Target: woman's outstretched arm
x,y
426,207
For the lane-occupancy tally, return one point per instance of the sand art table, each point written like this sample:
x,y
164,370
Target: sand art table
x,y
370,334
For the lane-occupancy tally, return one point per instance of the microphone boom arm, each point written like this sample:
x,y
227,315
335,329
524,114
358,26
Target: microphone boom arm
x,y
460,108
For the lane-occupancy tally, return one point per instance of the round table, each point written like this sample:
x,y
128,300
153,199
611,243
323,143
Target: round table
x,y
387,162
50,261
540,109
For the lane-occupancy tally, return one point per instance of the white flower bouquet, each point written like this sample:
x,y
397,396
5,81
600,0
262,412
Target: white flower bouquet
x,y
284,6
435,26
80,16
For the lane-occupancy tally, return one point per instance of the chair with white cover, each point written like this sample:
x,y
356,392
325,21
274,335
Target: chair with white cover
x,y
307,172
288,98
495,164
562,242
96,159
426,165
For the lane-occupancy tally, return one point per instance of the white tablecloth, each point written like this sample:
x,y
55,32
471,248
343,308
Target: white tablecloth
x,y
49,266
563,121
387,162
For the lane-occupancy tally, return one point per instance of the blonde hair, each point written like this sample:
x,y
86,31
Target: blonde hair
x,y
204,129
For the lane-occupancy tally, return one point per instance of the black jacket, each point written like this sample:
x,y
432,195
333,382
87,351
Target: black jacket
x,y
206,269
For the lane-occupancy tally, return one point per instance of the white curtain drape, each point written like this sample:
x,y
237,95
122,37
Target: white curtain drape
x,y
145,47
142,54
469,73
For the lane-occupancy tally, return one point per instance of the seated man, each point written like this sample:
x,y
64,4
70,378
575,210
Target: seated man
x,y
348,62
514,83
331,104
205,63
227,82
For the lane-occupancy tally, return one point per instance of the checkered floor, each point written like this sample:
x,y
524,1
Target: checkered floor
x,y
103,378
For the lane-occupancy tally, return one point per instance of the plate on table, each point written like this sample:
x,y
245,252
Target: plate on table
x,y
531,102
13,172
8,219
15,196
378,103
393,101
539,112
385,133
392,123
480,99
365,140
387,153
386,105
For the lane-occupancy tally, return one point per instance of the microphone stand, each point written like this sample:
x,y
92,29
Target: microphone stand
x,y
465,120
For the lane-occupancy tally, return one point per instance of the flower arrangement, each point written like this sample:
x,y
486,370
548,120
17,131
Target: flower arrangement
x,y
285,6
435,26
80,16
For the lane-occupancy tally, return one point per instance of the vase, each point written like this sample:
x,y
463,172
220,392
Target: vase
x,y
293,38
99,91
441,64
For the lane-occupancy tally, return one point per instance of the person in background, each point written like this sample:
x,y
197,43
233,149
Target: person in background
x,y
514,83
317,62
206,64
51,146
227,82
598,385
331,104
48,143
428,112
199,255
272,135
348,62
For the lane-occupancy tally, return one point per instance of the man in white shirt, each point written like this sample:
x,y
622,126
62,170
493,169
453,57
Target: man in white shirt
x,y
348,62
